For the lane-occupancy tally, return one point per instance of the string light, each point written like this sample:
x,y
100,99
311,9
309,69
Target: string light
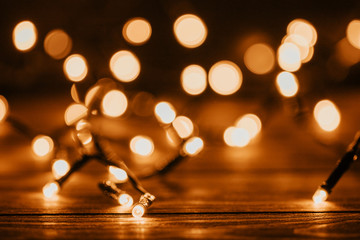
x,y
42,145
225,77
327,115
287,84
142,145
119,174
193,146
51,189
140,208
183,126
259,58
190,31
251,123
125,66
59,168
75,67
74,113
137,31
236,137
114,103
24,36
165,112
193,79
57,44
289,58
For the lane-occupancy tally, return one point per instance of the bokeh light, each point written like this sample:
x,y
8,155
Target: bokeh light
x,y
114,103
125,66
118,173
236,137
138,211
75,67
142,145
193,146
353,33
251,123
289,58
60,167
302,45
304,29
183,126
74,113
193,79
190,31
327,115
57,44
259,58
320,196
42,145
24,36
125,200
165,112
225,77
287,84
51,189
4,108
137,31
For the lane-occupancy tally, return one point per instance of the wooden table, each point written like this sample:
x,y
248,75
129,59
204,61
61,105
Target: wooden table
x,y
261,191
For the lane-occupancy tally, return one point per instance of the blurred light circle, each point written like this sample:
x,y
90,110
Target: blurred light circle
x,y
24,36
125,66
193,79
137,31
287,84
225,77
114,103
353,33
57,44
259,58
75,67
327,115
190,31
289,58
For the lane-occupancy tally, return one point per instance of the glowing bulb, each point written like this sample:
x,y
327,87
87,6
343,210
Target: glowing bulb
x,y
57,44
251,123
193,79
289,58
301,43
225,77
327,115
183,126
114,103
118,173
74,113
287,84
138,211
320,196
59,168
190,31
42,145
24,36
125,200
4,108
90,95
51,189
137,31
303,28
142,145
165,112
193,146
353,33
125,66
259,58
75,67
236,137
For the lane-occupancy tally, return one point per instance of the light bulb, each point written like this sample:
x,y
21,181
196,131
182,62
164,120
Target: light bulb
x,y
125,200
142,145
125,66
51,189
327,115
259,58
4,108
24,36
236,137
190,31
193,79
183,126
304,29
287,84
251,123
42,145
75,67
60,167
114,103
289,58
225,77
137,31
320,196
193,146
165,112
138,211
118,173
57,44
74,113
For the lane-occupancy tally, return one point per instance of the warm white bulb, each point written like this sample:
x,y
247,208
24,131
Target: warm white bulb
x,y
165,112
183,126
74,113
251,123
24,36
327,115
114,103
42,145
75,67
320,196
287,84
60,167
193,146
125,66
118,173
125,200
142,145
236,137
51,189
138,211
190,31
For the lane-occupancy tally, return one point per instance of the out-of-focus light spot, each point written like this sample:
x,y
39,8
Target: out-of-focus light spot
x,y
74,113
59,168
24,36
353,33
190,31
287,84
301,43
165,112
251,123
90,95
42,145
125,66
143,104
225,77
4,108
183,126
125,200
327,115
51,189
303,28
346,54
57,44
259,58
193,79
193,146
137,31
114,103
236,137
289,57
138,211
118,173
85,137
309,55
75,67
320,196
142,145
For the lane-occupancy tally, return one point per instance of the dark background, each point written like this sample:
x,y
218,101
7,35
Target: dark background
x,y
95,28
